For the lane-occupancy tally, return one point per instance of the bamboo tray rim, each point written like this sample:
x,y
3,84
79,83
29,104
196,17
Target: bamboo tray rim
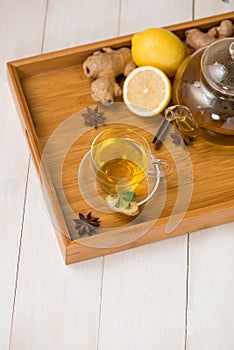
x,y
41,64
202,23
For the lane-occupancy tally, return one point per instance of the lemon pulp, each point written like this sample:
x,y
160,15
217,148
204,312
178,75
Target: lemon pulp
x,y
147,91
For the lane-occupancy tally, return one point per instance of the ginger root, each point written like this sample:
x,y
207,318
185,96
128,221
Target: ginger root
x,y
197,39
102,67
131,210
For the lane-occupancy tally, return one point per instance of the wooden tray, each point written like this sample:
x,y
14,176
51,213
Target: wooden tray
x,y
48,90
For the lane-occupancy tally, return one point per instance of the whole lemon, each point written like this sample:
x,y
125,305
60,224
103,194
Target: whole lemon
x,y
159,48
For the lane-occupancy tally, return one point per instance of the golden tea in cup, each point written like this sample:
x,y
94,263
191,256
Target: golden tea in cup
x,y
119,154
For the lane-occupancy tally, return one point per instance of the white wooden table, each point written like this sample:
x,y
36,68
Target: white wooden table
x,y
177,294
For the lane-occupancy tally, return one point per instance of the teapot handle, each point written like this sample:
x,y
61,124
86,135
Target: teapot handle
x,y
231,50
182,117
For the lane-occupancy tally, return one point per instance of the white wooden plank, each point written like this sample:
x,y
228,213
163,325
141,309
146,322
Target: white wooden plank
x,y
12,190
211,289
72,23
139,15
57,306
144,298
21,29
20,35
210,7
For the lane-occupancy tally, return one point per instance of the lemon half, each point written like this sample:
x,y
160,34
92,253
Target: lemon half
x,y
147,91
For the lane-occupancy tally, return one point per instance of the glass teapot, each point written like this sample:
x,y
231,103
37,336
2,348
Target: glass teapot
x,y
205,84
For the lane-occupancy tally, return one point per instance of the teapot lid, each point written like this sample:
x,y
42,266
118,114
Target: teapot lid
x,y
217,65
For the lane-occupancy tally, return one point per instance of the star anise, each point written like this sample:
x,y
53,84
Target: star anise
x,y
93,117
86,224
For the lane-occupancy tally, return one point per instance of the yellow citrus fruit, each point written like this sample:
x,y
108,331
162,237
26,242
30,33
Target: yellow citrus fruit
x,y
159,48
147,91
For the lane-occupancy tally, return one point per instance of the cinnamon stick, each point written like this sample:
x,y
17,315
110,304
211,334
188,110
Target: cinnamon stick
x,y
160,134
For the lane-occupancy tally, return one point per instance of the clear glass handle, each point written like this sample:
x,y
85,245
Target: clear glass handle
x,y
164,167
231,50
182,118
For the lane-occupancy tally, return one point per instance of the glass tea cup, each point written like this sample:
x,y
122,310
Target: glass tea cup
x,y
120,155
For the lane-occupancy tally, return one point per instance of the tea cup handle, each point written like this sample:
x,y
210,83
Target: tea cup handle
x,y
165,167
